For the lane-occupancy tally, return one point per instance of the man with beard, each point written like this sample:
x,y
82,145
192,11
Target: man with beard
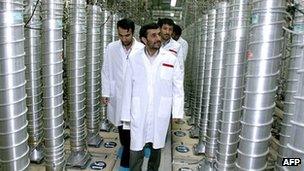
x,y
113,70
153,90
166,31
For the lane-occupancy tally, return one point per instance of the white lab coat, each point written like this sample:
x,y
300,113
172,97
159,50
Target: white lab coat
x,y
175,48
112,75
184,47
152,93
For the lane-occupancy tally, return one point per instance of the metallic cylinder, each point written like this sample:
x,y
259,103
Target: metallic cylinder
x,y
263,57
33,78
194,132
106,38
188,62
200,147
13,122
232,98
190,76
188,81
216,79
207,72
93,74
76,72
292,85
115,19
296,143
52,48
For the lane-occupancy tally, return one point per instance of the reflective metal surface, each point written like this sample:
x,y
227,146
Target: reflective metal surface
x,y
106,38
188,77
52,48
76,72
217,73
292,86
13,122
115,18
263,57
198,71
200,147
234,71
296,142
207,73
93,74
33,85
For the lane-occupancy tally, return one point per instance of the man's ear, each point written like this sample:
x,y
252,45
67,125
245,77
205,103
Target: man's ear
x,y
144,40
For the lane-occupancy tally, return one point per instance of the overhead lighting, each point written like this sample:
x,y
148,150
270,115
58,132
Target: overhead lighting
x,y
173,3
171,14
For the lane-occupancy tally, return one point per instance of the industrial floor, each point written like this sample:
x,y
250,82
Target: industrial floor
x,y
171,159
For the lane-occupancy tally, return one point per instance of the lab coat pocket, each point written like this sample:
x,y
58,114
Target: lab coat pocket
x,y
166,72
165,105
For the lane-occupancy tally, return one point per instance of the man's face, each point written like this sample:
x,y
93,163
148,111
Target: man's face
x,y
153,39
125,36
166,32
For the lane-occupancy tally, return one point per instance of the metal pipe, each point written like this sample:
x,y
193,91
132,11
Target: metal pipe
x,y
115,19
52,48
194,132
191,77
232,98
263,56
33,78
106,38
76,72
296,142
292,85
13,124
199,148
93,74
215,103
207,73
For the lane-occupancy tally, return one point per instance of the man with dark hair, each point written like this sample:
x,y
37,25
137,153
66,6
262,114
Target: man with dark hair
x,y
113,71
166,30
177,32
153,91
126,24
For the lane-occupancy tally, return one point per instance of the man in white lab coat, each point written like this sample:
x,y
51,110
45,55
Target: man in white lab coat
x,y
166,30
113,71
177,32
153,93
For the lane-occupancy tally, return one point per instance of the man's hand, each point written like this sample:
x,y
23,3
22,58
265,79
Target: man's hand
x,y
105,100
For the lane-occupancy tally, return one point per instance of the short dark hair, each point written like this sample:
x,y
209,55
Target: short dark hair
x,y
177,29
126,24
143,30
162,21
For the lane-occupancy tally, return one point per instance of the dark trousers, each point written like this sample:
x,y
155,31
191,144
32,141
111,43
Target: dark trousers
x,y
124,136
137,159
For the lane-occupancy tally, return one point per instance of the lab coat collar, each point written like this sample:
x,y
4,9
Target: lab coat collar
x,y
132,45
156,60
166,42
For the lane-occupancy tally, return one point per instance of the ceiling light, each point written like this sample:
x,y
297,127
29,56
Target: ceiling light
x,y
173,3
